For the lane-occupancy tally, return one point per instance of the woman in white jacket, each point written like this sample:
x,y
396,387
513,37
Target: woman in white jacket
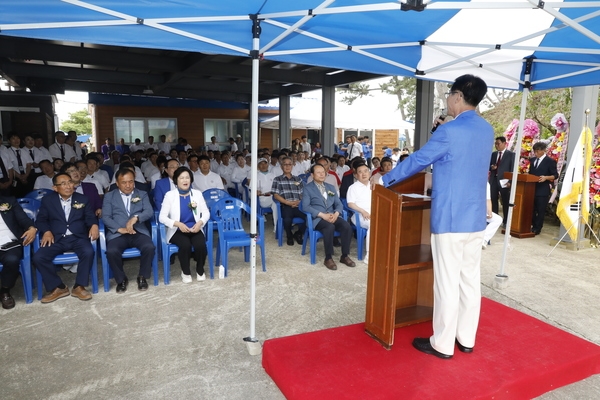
x,y
185,213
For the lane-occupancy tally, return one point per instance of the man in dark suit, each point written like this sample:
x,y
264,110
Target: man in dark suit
x,y
544,167
66,221
502,161
125,214
14,224
321,201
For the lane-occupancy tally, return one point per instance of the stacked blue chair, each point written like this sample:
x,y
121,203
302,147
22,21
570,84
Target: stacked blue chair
x,y
228,216
211,196
131,252
168,249
312,235
67,258
30,205
361,233
279,222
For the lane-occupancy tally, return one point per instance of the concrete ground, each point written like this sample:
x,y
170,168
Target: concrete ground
x,y
186,339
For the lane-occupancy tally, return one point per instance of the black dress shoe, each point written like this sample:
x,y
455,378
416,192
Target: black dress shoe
x,y
424,345
463,348
7,301
122,287
142,284
299,237
290,241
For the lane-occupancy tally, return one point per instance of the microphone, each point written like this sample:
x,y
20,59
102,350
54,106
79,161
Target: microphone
x,y
442,117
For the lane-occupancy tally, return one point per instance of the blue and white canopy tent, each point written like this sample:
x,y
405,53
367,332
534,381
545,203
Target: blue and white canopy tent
x,y
518,44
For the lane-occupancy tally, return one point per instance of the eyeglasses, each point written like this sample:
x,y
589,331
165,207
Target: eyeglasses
x,y
448,94
65,183
287,165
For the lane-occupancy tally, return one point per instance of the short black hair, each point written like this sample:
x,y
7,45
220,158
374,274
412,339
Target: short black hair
x,y
472,87
55,177
123,171
501,138
540,146
312,168
180,171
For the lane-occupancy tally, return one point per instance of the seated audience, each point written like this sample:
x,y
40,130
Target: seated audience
x,y
359,200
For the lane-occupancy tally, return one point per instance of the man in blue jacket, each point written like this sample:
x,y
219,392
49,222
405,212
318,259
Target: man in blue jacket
x,y
66,222
460,152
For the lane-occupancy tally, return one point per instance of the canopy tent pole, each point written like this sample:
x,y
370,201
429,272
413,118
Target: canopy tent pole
x,y
502,277
253,345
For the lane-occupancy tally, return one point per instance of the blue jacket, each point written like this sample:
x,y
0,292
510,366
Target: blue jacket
x,y
51,216
115,215
460,153
314,203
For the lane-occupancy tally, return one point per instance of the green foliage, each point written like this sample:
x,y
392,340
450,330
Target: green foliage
x,y
79,121
355,91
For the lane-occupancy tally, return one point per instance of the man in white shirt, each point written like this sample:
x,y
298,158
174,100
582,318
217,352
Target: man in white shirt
x,y
44,181
30,149
151,144
225,171
240,172
215,162
40,152
359,200
305,145
83,172
137,145
264,183
233,147
354,148
163,145
22,166
275,165
59,150
75,144
149,167
341,167
298,168
182,157
96,173
205,179
213,145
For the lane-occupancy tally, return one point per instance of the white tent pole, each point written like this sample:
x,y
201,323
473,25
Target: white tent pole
x,y
254,347
501,277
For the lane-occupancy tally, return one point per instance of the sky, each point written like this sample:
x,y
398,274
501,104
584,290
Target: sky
x,y
69,103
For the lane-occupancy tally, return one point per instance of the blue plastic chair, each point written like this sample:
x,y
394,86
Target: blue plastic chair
x,y
31,206
211,196
38,194
312,235
68,258
279,222
361,233
131,252
304,177
168,249
228,217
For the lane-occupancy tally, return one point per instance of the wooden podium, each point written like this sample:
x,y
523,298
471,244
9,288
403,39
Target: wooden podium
x,y
400,279
520,226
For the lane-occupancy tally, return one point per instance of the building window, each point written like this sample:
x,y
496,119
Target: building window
x,y
223,129
140,128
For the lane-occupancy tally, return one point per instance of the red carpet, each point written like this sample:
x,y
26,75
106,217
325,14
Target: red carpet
x,y
516,357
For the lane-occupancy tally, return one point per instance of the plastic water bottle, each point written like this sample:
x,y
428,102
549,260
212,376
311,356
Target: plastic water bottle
x,y
221,272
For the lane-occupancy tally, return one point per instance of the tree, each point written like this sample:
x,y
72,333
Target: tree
x,y
79,121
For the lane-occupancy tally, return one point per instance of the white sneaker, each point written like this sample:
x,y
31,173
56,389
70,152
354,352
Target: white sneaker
x,y
186,278
366,259
484,246
201,277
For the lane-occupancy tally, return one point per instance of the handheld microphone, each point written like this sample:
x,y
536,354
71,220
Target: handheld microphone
x,y
442,117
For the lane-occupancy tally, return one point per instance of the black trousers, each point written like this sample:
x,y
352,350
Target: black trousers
x,y
288,214
496,192
185,242
328,229
539,211
10,260
116,246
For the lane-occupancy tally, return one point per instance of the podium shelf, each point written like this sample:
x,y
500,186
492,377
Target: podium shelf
x,y
412,315
416,256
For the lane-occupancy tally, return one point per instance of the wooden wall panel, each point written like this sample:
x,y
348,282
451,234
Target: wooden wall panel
x,y
190,121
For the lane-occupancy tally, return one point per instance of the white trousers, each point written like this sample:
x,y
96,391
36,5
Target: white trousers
x,y
491,228
456,289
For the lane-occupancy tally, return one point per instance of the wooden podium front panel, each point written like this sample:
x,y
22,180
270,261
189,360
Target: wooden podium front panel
x,y
522,216
383,257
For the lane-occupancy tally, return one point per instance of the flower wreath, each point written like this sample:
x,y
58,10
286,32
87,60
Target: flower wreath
x,y
531,133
